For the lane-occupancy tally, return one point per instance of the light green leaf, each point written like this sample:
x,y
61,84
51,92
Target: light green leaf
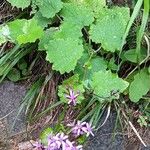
x,y
67,29
74,84
24,31
42,21
14,75
20,3
46,37
140,85
4,34
44,135
49,8
95,5
64,54
105,83
112,65
78,15
110,27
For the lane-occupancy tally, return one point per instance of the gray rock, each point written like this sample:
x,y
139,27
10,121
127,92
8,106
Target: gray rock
x,y
104,140
11,95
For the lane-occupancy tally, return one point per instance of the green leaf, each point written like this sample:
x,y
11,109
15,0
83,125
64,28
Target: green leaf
x,y
131,55
49,8
112,65
105,83
14,75
44,135
46,37
24,31
78,15
4,34
73,83
140,85
20,3
110,27
95,5
86,66
67,29
42,21
22,64
64,54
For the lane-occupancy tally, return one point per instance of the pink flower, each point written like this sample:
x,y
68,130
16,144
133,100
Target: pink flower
x,y
72,97
88,129
81,128
38,146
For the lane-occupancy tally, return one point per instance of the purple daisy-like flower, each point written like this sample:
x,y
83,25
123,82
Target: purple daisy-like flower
x,y
72,97
81,128
57,142
78,129
88,129
38,146
70,146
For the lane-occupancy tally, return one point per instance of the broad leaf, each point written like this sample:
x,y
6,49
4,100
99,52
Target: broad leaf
x,y
68,29
78,15
95,5
74,84
64,54
46,37
42,21
24,31
110,27
86,66
112,65
4,34
140,85
131,55
20,3
105,84
49,8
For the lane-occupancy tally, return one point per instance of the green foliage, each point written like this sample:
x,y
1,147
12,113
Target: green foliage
x,y
49,8
23,31
74,84
44,135
4,34
132,56
20,3
95,5
14,75
22,64
78,15
64,54
140,85
86,39
110,27
107,85
86,66
42,21
143,121
68,29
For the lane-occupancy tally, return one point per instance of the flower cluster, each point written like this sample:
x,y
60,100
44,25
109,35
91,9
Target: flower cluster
x,y
81,128
59,141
